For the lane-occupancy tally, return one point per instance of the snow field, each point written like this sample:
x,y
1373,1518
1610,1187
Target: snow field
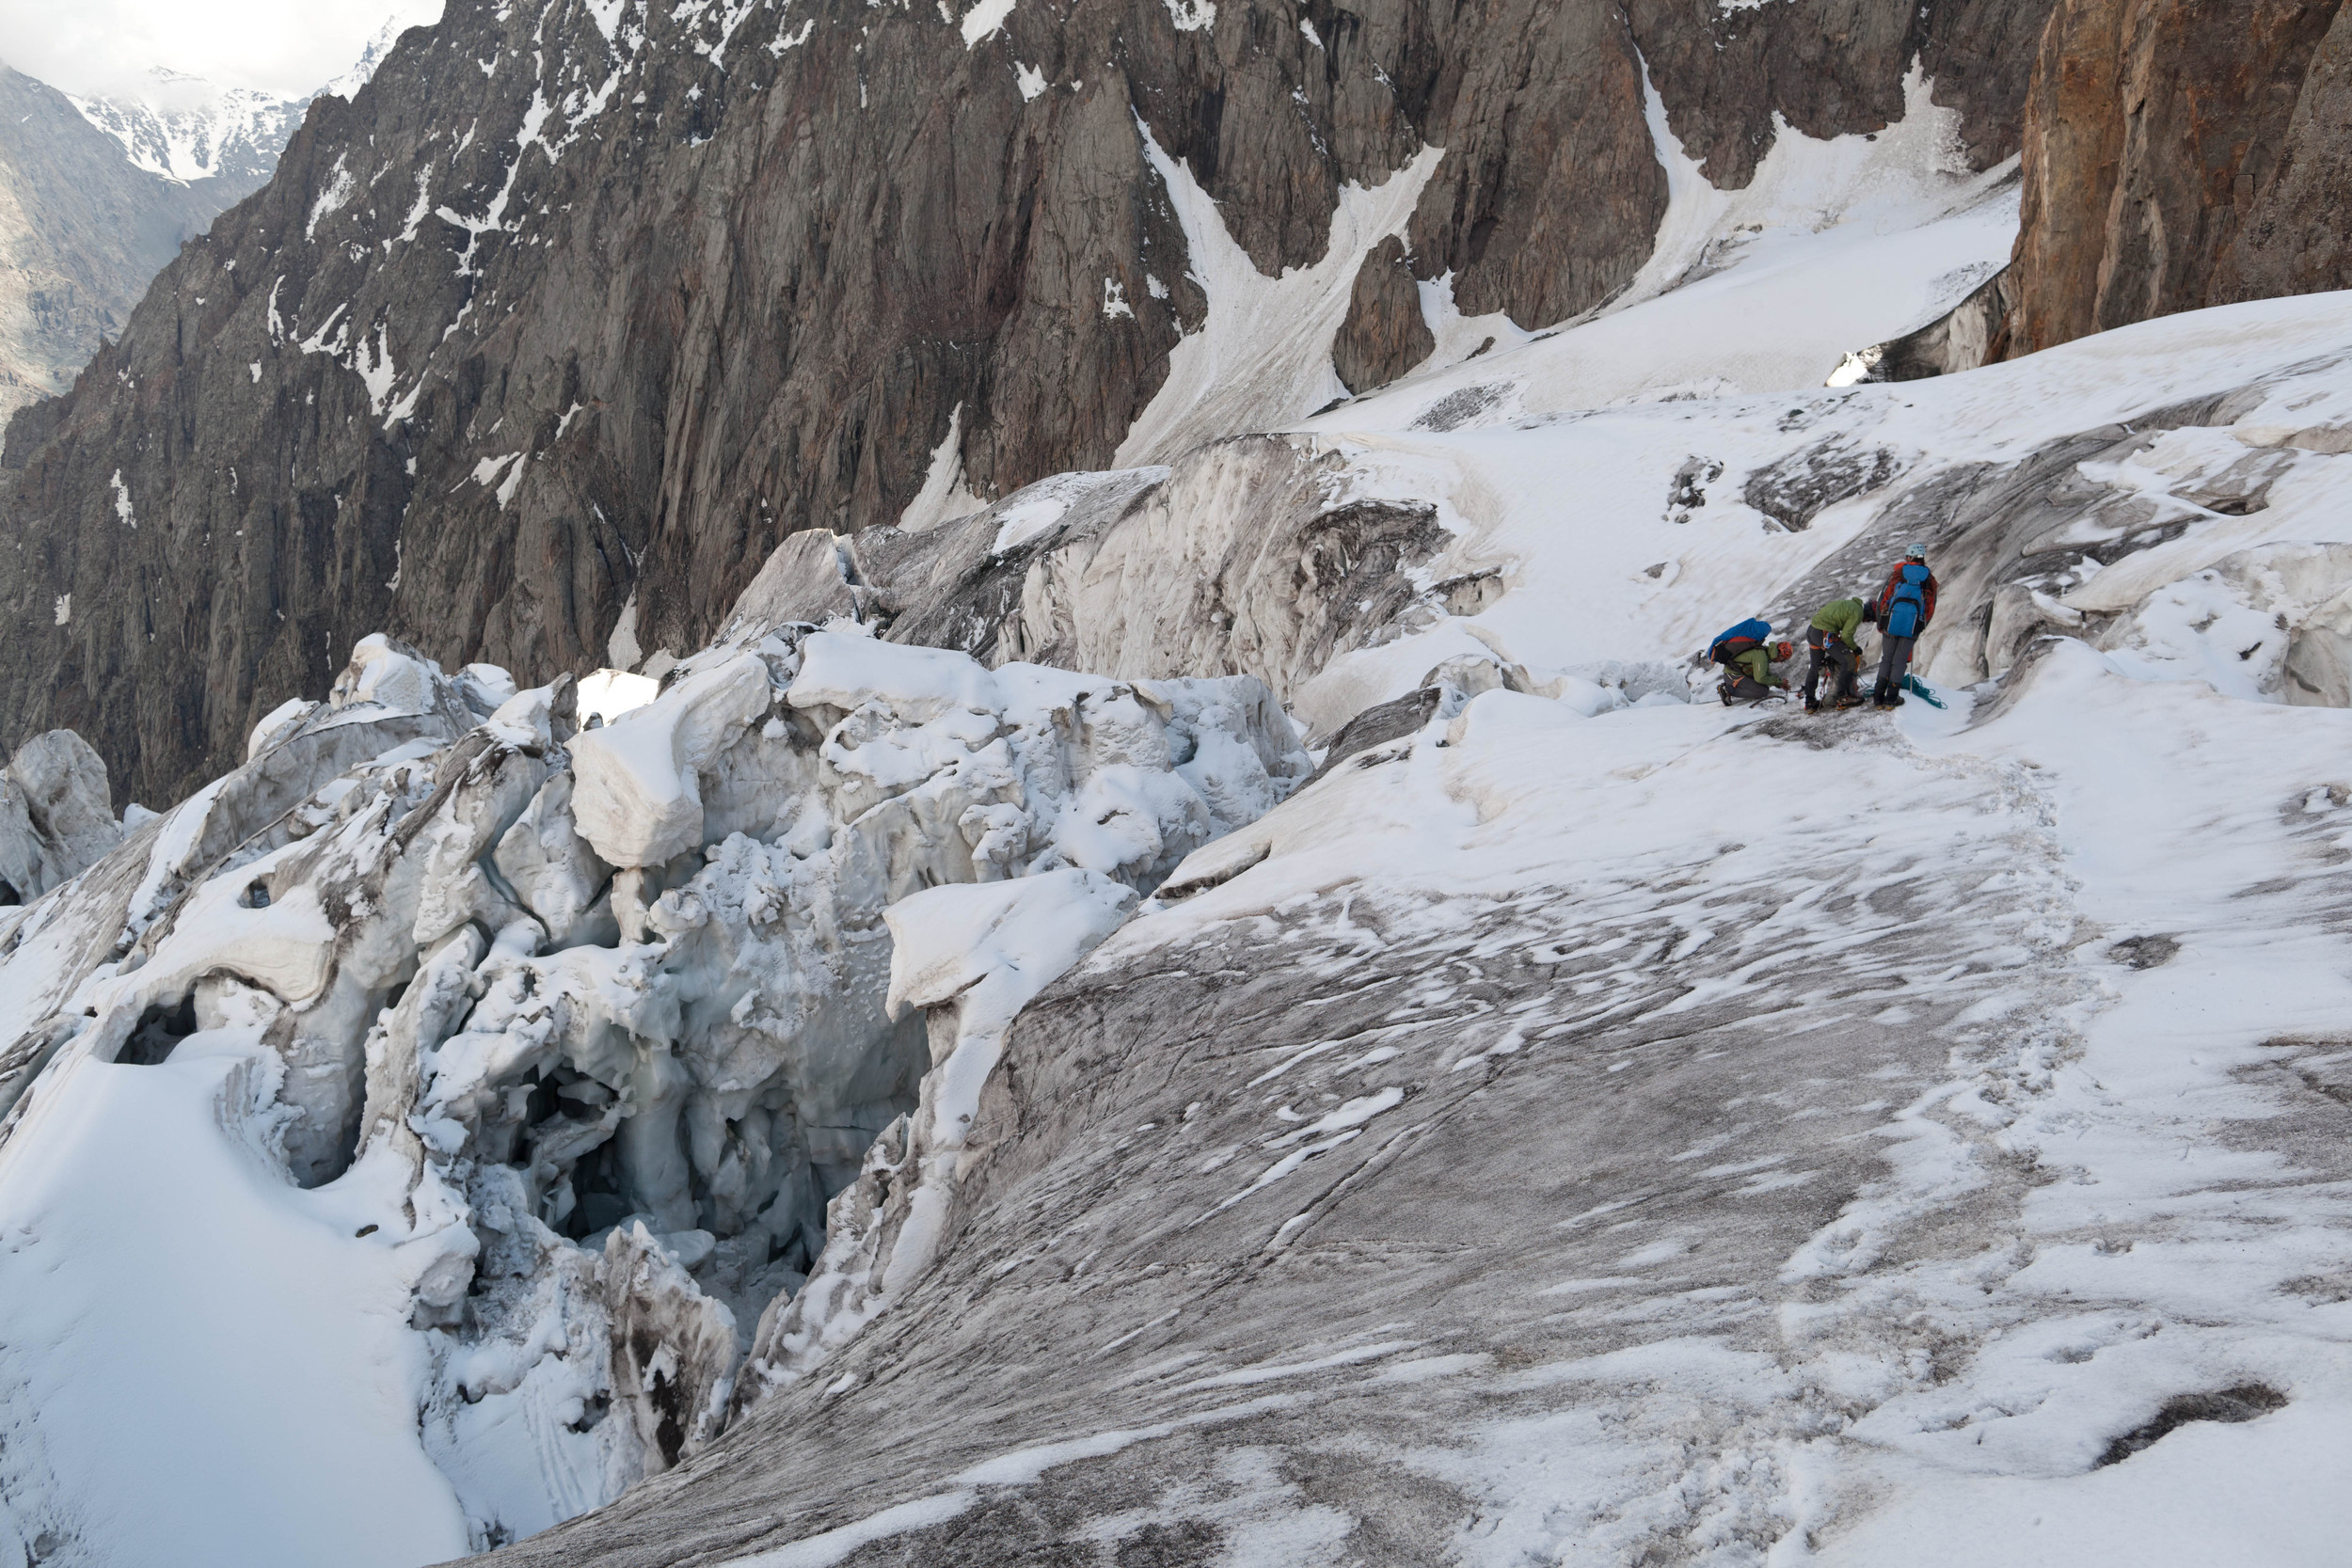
x,y
181,1316
2061,1190
1576,511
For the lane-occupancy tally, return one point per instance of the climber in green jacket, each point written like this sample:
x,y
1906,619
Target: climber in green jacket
x,y
1748,677
1834,641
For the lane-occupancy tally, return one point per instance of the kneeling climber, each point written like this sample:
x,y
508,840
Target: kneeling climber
x,y
1747,659
1904,606
1834,641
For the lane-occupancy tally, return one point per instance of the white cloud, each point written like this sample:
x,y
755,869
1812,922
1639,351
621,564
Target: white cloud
x,y
288,47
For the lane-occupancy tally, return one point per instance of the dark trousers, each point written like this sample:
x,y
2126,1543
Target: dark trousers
x,y
1894,663
1843,661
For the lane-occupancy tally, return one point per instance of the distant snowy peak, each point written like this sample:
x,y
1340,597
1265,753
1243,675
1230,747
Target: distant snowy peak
x,y
348,85
184,128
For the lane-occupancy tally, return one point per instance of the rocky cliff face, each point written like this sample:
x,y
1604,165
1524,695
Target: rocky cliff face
x,y
537,349
2180,156
83,230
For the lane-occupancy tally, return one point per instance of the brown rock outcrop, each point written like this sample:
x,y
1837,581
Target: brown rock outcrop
x,y
2179,155
549,322
1385,334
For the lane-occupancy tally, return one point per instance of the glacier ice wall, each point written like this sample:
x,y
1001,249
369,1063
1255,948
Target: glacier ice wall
x,y
576,1032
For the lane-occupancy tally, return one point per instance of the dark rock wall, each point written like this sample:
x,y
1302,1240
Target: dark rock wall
x,y
1385,334
1831,67
2290,235
2179,155
549,319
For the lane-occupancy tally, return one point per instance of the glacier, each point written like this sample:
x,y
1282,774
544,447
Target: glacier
x,y
1387,1070
516,1063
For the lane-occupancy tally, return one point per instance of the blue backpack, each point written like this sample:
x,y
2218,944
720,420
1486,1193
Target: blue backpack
x,y
1908,603
1748,633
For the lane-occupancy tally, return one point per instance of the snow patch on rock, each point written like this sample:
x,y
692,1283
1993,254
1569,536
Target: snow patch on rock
x,y
943,496
1264,355
984,19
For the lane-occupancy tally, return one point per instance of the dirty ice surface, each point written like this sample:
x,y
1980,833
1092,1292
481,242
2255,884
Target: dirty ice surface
x,y
1680,1134
1677,1135
2115,1180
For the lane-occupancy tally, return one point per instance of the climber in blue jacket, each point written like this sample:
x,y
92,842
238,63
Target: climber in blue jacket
x,y
1904,607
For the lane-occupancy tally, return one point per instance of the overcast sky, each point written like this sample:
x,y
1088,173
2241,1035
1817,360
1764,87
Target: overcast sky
x,y
283,46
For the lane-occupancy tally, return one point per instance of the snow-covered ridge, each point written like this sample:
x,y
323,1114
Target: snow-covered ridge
x,y
349,84
184,128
